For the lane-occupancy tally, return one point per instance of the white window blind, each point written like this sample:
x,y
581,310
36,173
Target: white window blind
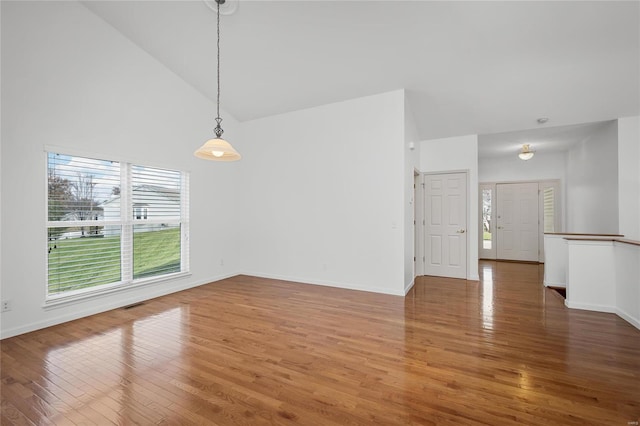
x,y
549,209
112,223
156,196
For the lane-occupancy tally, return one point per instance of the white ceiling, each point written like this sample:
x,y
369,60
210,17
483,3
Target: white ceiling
x,y
543,139
468,67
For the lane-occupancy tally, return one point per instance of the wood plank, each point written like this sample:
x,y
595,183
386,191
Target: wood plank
x,y
251,351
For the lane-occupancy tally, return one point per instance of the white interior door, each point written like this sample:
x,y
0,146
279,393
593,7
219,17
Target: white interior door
x,y
418,205
517,221
446,225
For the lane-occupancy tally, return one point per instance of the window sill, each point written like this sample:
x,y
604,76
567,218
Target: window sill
x,y
90,294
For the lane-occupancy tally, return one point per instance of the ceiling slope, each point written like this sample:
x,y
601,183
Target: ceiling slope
x,y
467,67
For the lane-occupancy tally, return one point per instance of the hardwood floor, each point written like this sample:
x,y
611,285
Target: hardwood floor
x,y
254,351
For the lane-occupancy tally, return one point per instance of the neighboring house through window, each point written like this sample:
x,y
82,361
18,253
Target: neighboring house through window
x,y
113,224
140,212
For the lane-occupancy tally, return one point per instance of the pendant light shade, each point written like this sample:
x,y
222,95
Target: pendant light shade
x,y
218,149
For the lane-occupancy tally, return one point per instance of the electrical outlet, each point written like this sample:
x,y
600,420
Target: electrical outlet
x,y
221,262
6,305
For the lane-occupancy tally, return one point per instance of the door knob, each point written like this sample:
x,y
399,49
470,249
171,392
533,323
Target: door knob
x,y
499,227
461,231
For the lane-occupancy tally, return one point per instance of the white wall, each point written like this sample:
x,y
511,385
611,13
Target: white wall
x,y
411,164
323,195
629,177
627,274
604,276
458,154
1,237
512,169
70,80
592,183
591,275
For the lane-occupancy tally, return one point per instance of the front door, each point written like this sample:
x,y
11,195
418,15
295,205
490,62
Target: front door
x,y
446,225
517,221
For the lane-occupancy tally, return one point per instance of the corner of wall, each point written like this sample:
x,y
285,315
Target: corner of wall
x,y
629,176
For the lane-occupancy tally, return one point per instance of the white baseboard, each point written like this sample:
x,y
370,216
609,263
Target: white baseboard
x,y
628,318
552,284
603,308
408,287
346,286
590,307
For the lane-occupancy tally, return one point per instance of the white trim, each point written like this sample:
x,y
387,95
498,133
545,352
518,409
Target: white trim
x,y
408,287
126,227
418,230
57,149
91,293
346,286
628,318
590,307
447,172
185,213
553,284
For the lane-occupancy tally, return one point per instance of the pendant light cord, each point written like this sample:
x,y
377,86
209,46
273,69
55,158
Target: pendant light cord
x,y
218,110
218,130
217,149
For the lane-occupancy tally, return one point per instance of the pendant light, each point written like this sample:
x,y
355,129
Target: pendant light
x,y
218,149
526,153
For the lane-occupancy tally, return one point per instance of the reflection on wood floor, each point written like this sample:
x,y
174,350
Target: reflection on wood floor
x,y
256,351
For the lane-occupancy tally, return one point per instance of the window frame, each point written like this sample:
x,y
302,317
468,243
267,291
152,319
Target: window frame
x,y
126,222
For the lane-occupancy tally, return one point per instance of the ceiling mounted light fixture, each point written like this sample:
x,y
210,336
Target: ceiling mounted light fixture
x,y
227,7
526,153
218,149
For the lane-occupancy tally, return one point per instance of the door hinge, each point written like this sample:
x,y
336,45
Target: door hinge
x,y
423,222
414,258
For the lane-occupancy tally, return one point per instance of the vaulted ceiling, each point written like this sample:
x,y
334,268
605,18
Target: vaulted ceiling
x,y
468,67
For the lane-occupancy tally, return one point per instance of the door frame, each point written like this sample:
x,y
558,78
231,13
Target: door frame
x,y
542,184
418,223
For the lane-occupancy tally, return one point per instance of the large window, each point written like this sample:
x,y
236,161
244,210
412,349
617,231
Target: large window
x,y
487,215
113,224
